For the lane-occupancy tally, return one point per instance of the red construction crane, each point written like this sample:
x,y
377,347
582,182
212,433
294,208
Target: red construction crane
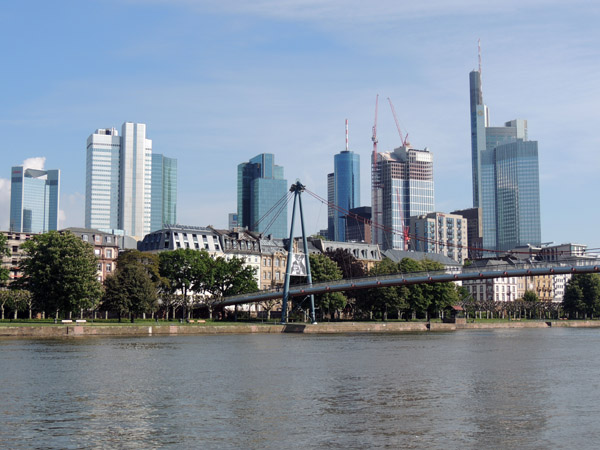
x,y
404,139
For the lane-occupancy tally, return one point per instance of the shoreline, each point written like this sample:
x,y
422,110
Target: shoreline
x,y
299,328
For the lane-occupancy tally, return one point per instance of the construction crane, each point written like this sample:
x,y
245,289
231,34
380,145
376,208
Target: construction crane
x,y
375,182
404,139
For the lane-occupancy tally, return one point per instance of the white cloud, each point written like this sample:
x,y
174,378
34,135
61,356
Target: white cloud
x,y
37,162
71,213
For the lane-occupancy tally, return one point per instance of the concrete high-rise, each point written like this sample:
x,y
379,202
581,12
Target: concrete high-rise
x,y
403,186
102,180
127,188
34,200
261,198
505,177
346,190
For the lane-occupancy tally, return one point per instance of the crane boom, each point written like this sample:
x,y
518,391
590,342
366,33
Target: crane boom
x,y
403,139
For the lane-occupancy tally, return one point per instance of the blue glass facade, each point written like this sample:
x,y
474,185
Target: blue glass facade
x,y
346,189
261,185
34,200
505,178
164,192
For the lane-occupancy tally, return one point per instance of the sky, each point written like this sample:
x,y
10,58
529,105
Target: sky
x,y
218,82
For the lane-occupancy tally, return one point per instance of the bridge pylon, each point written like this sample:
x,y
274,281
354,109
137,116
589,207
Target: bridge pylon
x,y
297,188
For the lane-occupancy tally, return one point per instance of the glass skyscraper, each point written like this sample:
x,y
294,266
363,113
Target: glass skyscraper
x,y
164,191
34,199
346,190
120,182
505,177
403,184
261,186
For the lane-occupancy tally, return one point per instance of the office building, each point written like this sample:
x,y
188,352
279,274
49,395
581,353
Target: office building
x,y
358,225
34,198
127,187
164,192
402,186
440,233
330,209
346,191
505,177
261,198
102,180
232,221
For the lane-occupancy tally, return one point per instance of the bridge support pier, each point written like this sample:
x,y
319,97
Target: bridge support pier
x,y
297,188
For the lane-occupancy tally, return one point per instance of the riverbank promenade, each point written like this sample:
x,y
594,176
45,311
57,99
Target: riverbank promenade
x,y
8,329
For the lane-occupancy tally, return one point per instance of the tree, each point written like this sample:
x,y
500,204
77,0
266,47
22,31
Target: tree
x,y
530,296
442,296
61,272
225,278
582,295
187,271
324,269
4,251
130,290
417,302
383,299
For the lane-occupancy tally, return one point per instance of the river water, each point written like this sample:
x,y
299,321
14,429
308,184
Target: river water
x,y
526,388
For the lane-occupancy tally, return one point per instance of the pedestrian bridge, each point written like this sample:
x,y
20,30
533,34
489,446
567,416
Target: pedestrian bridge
x,y
406,279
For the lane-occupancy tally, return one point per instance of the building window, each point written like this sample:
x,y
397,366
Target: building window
x,y
109,267
108,239
85,237
100,267
109,253
97,251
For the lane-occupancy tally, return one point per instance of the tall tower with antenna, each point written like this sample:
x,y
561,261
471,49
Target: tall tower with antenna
x,y
346,191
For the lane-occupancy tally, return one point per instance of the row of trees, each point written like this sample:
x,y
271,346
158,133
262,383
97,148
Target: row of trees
x,y
427,300
60,277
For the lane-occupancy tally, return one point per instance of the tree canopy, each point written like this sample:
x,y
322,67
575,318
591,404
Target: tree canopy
x,y
582,295
61,272
130,290
4,251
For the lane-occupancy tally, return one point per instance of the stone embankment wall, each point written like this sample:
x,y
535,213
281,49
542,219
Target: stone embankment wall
x,y
322,328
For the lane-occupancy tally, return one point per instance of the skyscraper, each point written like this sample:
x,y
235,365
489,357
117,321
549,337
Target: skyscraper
x,y
164,191
102,180
126,187
261,198
331,212
346,190
403,185
34,197
505,177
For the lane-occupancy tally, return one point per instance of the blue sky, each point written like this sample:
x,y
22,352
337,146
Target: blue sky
x,y
220,82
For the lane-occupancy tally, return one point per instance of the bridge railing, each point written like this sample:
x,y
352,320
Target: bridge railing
x,y
426,274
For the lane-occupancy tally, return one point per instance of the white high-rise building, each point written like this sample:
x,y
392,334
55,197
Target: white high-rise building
x,y
102,180
136,180
119,181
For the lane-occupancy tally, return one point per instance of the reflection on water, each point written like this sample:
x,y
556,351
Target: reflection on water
x,y
535,388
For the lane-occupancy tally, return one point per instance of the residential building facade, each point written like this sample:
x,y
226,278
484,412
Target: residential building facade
x,y
474,231
440,233
34,200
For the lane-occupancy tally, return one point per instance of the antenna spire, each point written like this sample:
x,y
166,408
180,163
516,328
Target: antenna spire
x,y
346,134
479,54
